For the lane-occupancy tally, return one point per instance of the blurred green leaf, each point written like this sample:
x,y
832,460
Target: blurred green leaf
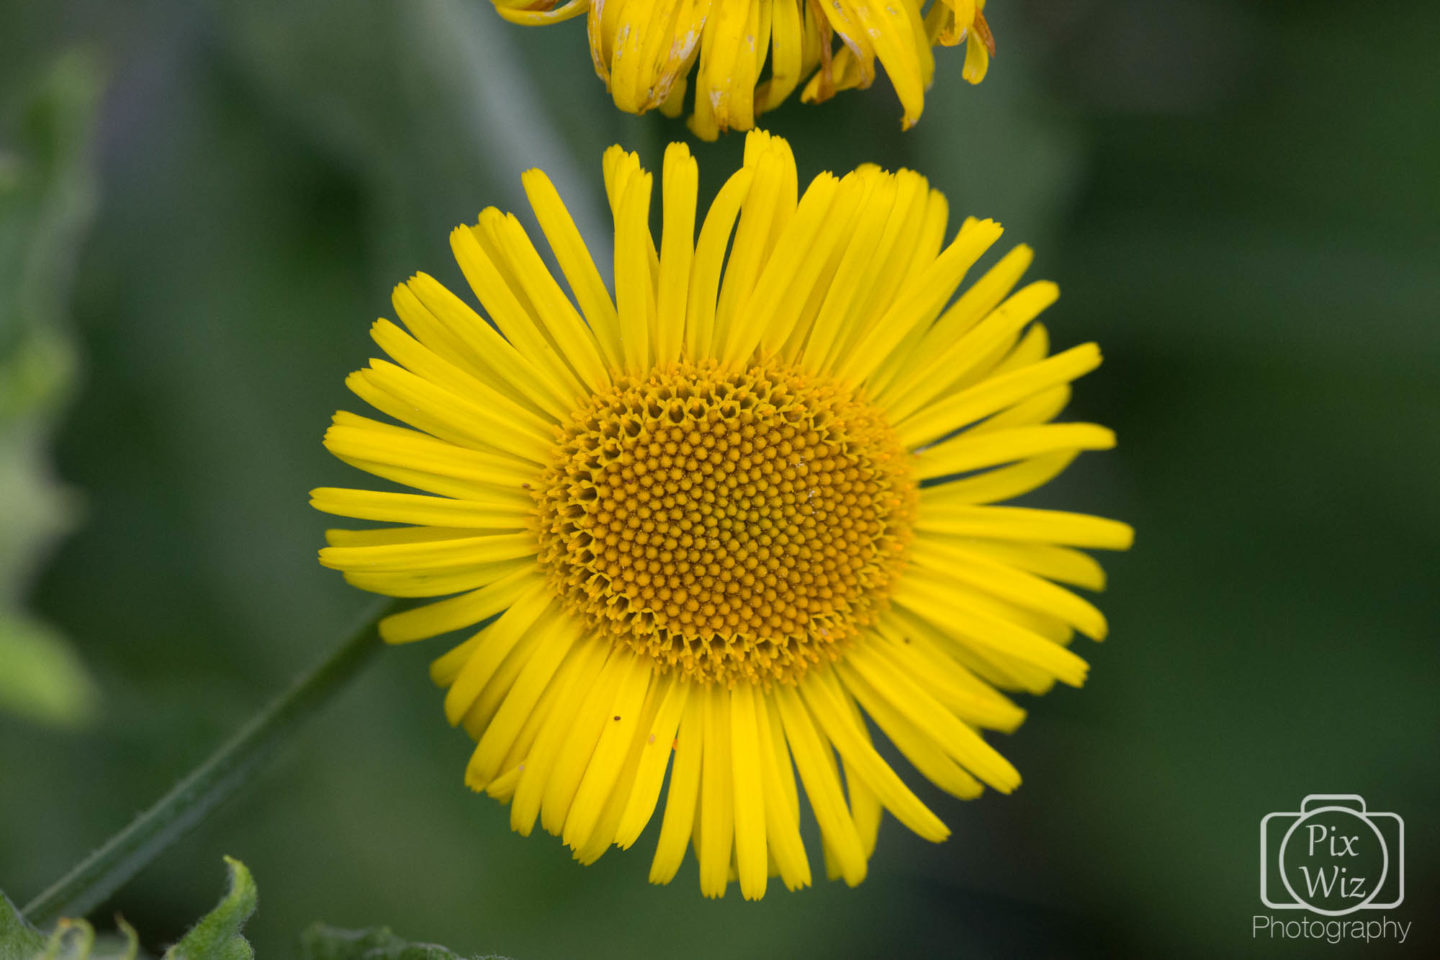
x,y
43,679
217,935
322,942
47,197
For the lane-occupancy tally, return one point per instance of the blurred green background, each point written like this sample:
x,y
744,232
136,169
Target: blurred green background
x,y
1240,201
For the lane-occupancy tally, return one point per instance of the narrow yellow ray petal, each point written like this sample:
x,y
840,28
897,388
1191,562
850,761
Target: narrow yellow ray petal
x,y
1032,347
425,583
827,705
497,641
1029,524
983,603
634,282
883,265
1016,586
655,757
922,300
388,536
677,250
865,806
448,416
965,358
579,744
782,811
429,555
493,693
785,280
709,257
502,788
987,293
556,714
443,616
750,798
618,733
1061,564
783,764
961,691
680,803
426,463
932,241
1041,408
675,104
717,801
430,366
921,750
627,79
602,836
837,236
936,603
414,508
995,394
1002,483
520,700
999,670
446,667
965,453
500,300
619,166
575,263
977,58
822,786
996,663
803,264
763,205
928,715
877,199
558,316
947,343
450,327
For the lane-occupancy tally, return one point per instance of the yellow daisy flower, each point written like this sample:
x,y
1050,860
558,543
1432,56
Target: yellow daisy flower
x,y
644,50
715,523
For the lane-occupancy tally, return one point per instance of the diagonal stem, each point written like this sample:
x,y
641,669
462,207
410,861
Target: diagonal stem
x,y
207,786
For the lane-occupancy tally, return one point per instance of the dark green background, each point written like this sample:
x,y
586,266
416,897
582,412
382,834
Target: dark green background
x,y
1241,203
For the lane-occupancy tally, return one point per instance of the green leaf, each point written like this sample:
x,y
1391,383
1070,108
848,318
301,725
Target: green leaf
x,y
322,942
43,678
217,935
47,197
18,940
71,939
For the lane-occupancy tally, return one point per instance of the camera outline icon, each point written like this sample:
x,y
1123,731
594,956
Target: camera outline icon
x,y
1353,805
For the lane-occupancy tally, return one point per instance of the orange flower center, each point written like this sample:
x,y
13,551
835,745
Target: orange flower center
x,y
727,523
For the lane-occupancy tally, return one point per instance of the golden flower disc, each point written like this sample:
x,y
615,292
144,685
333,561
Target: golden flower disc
x,y
730,523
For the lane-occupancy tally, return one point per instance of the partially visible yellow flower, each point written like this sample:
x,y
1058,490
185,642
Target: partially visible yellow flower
x,y
753,54
713,523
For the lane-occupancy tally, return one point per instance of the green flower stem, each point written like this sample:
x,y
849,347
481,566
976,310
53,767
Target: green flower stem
x,y
207,786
